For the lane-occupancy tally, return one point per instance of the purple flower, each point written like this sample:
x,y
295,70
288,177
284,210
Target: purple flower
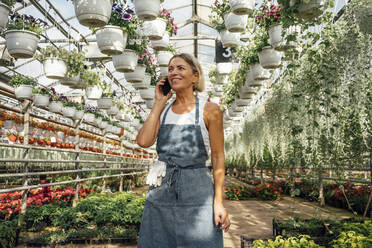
x,y
129,11
127,16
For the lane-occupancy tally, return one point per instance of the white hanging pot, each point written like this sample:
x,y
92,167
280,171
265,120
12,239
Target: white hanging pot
x,y
229,39
79,114
242,7
104,103
68,111
93,93
8,124
236,108
78,84
244,95
257,83
97,122
41,100
21,44
149,103
4,13
164,57
217,93
222,79
258,72
23,91
248,90
137,75
154,29
54,68
103,124
218,88
310,9
125,62
113,110
235,23
243,102
111,40
70,81
147,10
269,58
224,68
89,118
163,71
55,107
275,35
162,44
144,84
93,13
148,94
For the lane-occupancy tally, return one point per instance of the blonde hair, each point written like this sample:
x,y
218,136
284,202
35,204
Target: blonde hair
x,y
196,68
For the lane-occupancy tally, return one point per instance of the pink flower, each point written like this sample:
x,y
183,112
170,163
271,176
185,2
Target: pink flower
x,y
271,13
277,16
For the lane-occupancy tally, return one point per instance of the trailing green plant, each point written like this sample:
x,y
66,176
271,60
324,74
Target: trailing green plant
x,y
171,27
218,10
91,78
41,91
18,80
75,63
52,52
107,90
26,22
9,3
8,232
125,18
269,15
301,242
69,103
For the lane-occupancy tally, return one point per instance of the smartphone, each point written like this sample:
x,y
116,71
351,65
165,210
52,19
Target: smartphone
x,y
166,87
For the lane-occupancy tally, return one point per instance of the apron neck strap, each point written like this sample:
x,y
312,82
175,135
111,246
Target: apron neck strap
x,y
196,111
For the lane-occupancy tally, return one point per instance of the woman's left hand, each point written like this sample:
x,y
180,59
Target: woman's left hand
x,y
221,216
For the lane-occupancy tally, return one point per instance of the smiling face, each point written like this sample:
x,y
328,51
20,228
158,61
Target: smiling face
x,y
181,75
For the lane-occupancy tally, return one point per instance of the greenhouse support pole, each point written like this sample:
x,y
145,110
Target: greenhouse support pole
x,y
77,158
121,182
321,191
104,161
27,108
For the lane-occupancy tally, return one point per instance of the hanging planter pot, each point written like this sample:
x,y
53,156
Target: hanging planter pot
x,y
235,23
242,7
258,72
160,45
148,94
125,62
93,13
245,95
103,124
8,124
149,104
78,84
55,107
70,81
229,39
23,91
89,118
275,35
68,111
164,58
41,100
113,110
269,58
224,68
79,114
243,102
93,93
111,40
21,44
54,68
144,84
137,75
154,29
147,10
217,93
4,13
310,9
163,71
248,90
104,103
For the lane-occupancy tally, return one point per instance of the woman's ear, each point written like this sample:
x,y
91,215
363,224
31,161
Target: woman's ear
x,y
195,77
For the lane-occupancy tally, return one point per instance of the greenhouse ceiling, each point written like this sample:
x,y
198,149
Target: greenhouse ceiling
x,y
195,35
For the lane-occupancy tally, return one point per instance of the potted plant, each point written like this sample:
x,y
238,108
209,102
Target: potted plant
x,y
89,112
94,84
79,113
55,101
235,23
147,94
113,110
251,59
106,101
53,61
239,7
75,65
41,97
22,35
138,74
23,86
269,58
69,108
5,8
163,57
92,13
308,9
112,38
147,10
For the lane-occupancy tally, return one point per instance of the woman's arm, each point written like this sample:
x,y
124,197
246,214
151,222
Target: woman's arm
x,y
149,132
214,124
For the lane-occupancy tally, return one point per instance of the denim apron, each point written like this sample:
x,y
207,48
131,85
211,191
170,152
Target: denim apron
x,y
179,213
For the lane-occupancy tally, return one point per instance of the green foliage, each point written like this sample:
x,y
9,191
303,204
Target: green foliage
x,y
91,78
19,80
8,233
124,17
75,63
41,91
26,22
292,242
9,3
52,52
352,239
218,10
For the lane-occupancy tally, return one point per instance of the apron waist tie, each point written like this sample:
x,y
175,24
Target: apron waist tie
x,y
175,174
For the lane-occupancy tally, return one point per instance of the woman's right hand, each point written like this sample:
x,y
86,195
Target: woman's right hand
x,y
159,97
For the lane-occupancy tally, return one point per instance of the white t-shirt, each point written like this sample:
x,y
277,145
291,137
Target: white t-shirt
x,y
189,118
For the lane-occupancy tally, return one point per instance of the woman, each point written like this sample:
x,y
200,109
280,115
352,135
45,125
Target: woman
x,y
186,210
